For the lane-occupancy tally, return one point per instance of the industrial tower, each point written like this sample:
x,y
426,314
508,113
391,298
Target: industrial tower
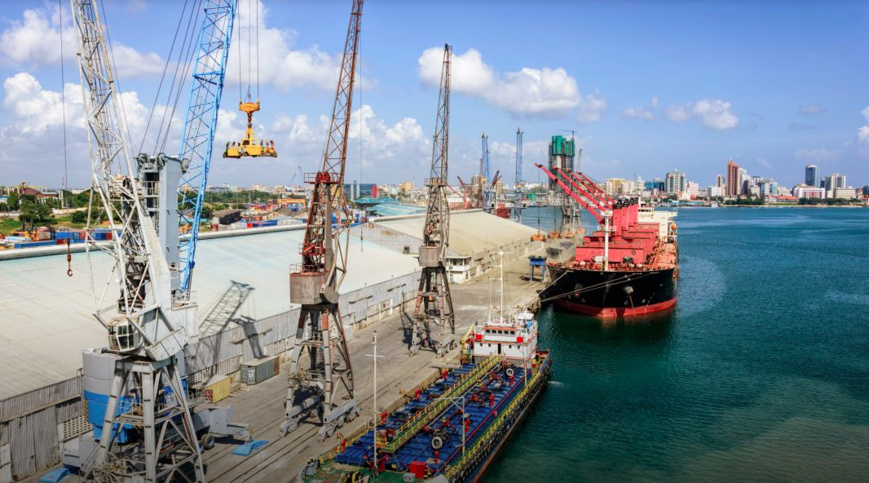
x,y
320,365
517,188
485,192
434,304
147,328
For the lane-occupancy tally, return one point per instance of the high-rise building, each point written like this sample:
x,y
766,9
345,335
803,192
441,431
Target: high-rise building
x,y
813,175
720,182
834,181
734,181
561,154
656,184
675,182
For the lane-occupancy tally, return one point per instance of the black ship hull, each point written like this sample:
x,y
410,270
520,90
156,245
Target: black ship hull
x,y
611,294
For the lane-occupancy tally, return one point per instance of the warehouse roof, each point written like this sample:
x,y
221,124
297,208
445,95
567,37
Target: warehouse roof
x,y
471,231
47,317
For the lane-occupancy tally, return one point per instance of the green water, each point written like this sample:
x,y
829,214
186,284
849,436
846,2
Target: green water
x,y
760,374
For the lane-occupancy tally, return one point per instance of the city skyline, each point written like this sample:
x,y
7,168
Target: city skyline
x,y
688,112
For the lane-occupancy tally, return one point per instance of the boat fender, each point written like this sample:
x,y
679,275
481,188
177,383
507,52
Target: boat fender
x,y
509,372
629,290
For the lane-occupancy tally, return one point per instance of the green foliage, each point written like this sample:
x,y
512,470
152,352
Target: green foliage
x,y
79,217
13,201
34,213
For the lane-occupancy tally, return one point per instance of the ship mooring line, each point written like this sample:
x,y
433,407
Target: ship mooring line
x,y
627,278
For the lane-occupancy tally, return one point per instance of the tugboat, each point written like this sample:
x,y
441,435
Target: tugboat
x,y
629,267
449,429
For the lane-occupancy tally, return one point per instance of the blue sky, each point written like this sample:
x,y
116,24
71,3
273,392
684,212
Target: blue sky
x,y
647,86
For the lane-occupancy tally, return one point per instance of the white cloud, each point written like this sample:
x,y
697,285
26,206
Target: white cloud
x,y
591,108
764,162
863,131
280,65
641,112
814,109
35,40
713,113
130,63
528,91
819,154
678,113
37,110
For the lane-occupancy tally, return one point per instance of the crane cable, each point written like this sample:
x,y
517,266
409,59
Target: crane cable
x,y
63,101
163,76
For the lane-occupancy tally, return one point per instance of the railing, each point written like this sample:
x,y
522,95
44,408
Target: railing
x,y
424,417
487,436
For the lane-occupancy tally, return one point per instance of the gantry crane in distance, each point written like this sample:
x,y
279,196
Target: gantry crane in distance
x,y
147,330
484,192
434,304
321,376
519,182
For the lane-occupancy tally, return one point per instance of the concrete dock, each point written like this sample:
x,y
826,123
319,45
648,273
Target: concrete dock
x,y
263,405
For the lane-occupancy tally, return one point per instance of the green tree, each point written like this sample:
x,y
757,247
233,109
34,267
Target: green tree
x,y
13,201
79,217
35,214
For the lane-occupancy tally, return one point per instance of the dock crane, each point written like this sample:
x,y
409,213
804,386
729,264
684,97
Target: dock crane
x,y
434,304
315,384
519,183
145,429
147,329
485,193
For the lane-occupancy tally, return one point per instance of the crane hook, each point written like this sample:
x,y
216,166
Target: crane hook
x,y
68,258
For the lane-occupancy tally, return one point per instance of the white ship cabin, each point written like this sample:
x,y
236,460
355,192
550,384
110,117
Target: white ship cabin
x,y
514,336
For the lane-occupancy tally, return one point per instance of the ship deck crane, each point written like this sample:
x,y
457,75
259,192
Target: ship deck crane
x,y
434,304
320,369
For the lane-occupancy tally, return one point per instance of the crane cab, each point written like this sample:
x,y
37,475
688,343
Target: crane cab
x,y
249,146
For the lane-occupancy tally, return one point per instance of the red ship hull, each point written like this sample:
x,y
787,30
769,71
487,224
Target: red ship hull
x,y
615,312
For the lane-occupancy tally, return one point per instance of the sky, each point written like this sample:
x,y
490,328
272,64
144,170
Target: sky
x,y
647,87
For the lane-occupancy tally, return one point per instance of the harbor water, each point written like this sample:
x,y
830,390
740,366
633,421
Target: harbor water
x,y
761,373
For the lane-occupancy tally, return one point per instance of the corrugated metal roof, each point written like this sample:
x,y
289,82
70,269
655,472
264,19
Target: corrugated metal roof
x,y
47,317
470,232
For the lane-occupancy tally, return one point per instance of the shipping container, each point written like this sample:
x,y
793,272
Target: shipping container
x,y
258,370
215,388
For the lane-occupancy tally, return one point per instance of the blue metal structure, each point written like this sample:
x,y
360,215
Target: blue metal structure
x,y
198,139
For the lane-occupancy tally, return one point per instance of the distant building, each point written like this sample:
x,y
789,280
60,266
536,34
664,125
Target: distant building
x,y
693,189
734,183
805,191
616,186
844,193
675,182
656,184
813,175
715,191
866,190
834,181
720,182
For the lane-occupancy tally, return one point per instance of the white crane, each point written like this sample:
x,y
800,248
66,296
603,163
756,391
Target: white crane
x,y
147,330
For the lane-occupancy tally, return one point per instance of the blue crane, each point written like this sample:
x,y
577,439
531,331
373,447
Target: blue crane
x,y
197,140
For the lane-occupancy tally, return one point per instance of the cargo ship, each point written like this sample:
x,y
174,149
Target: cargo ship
x,y
449,429
628,267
